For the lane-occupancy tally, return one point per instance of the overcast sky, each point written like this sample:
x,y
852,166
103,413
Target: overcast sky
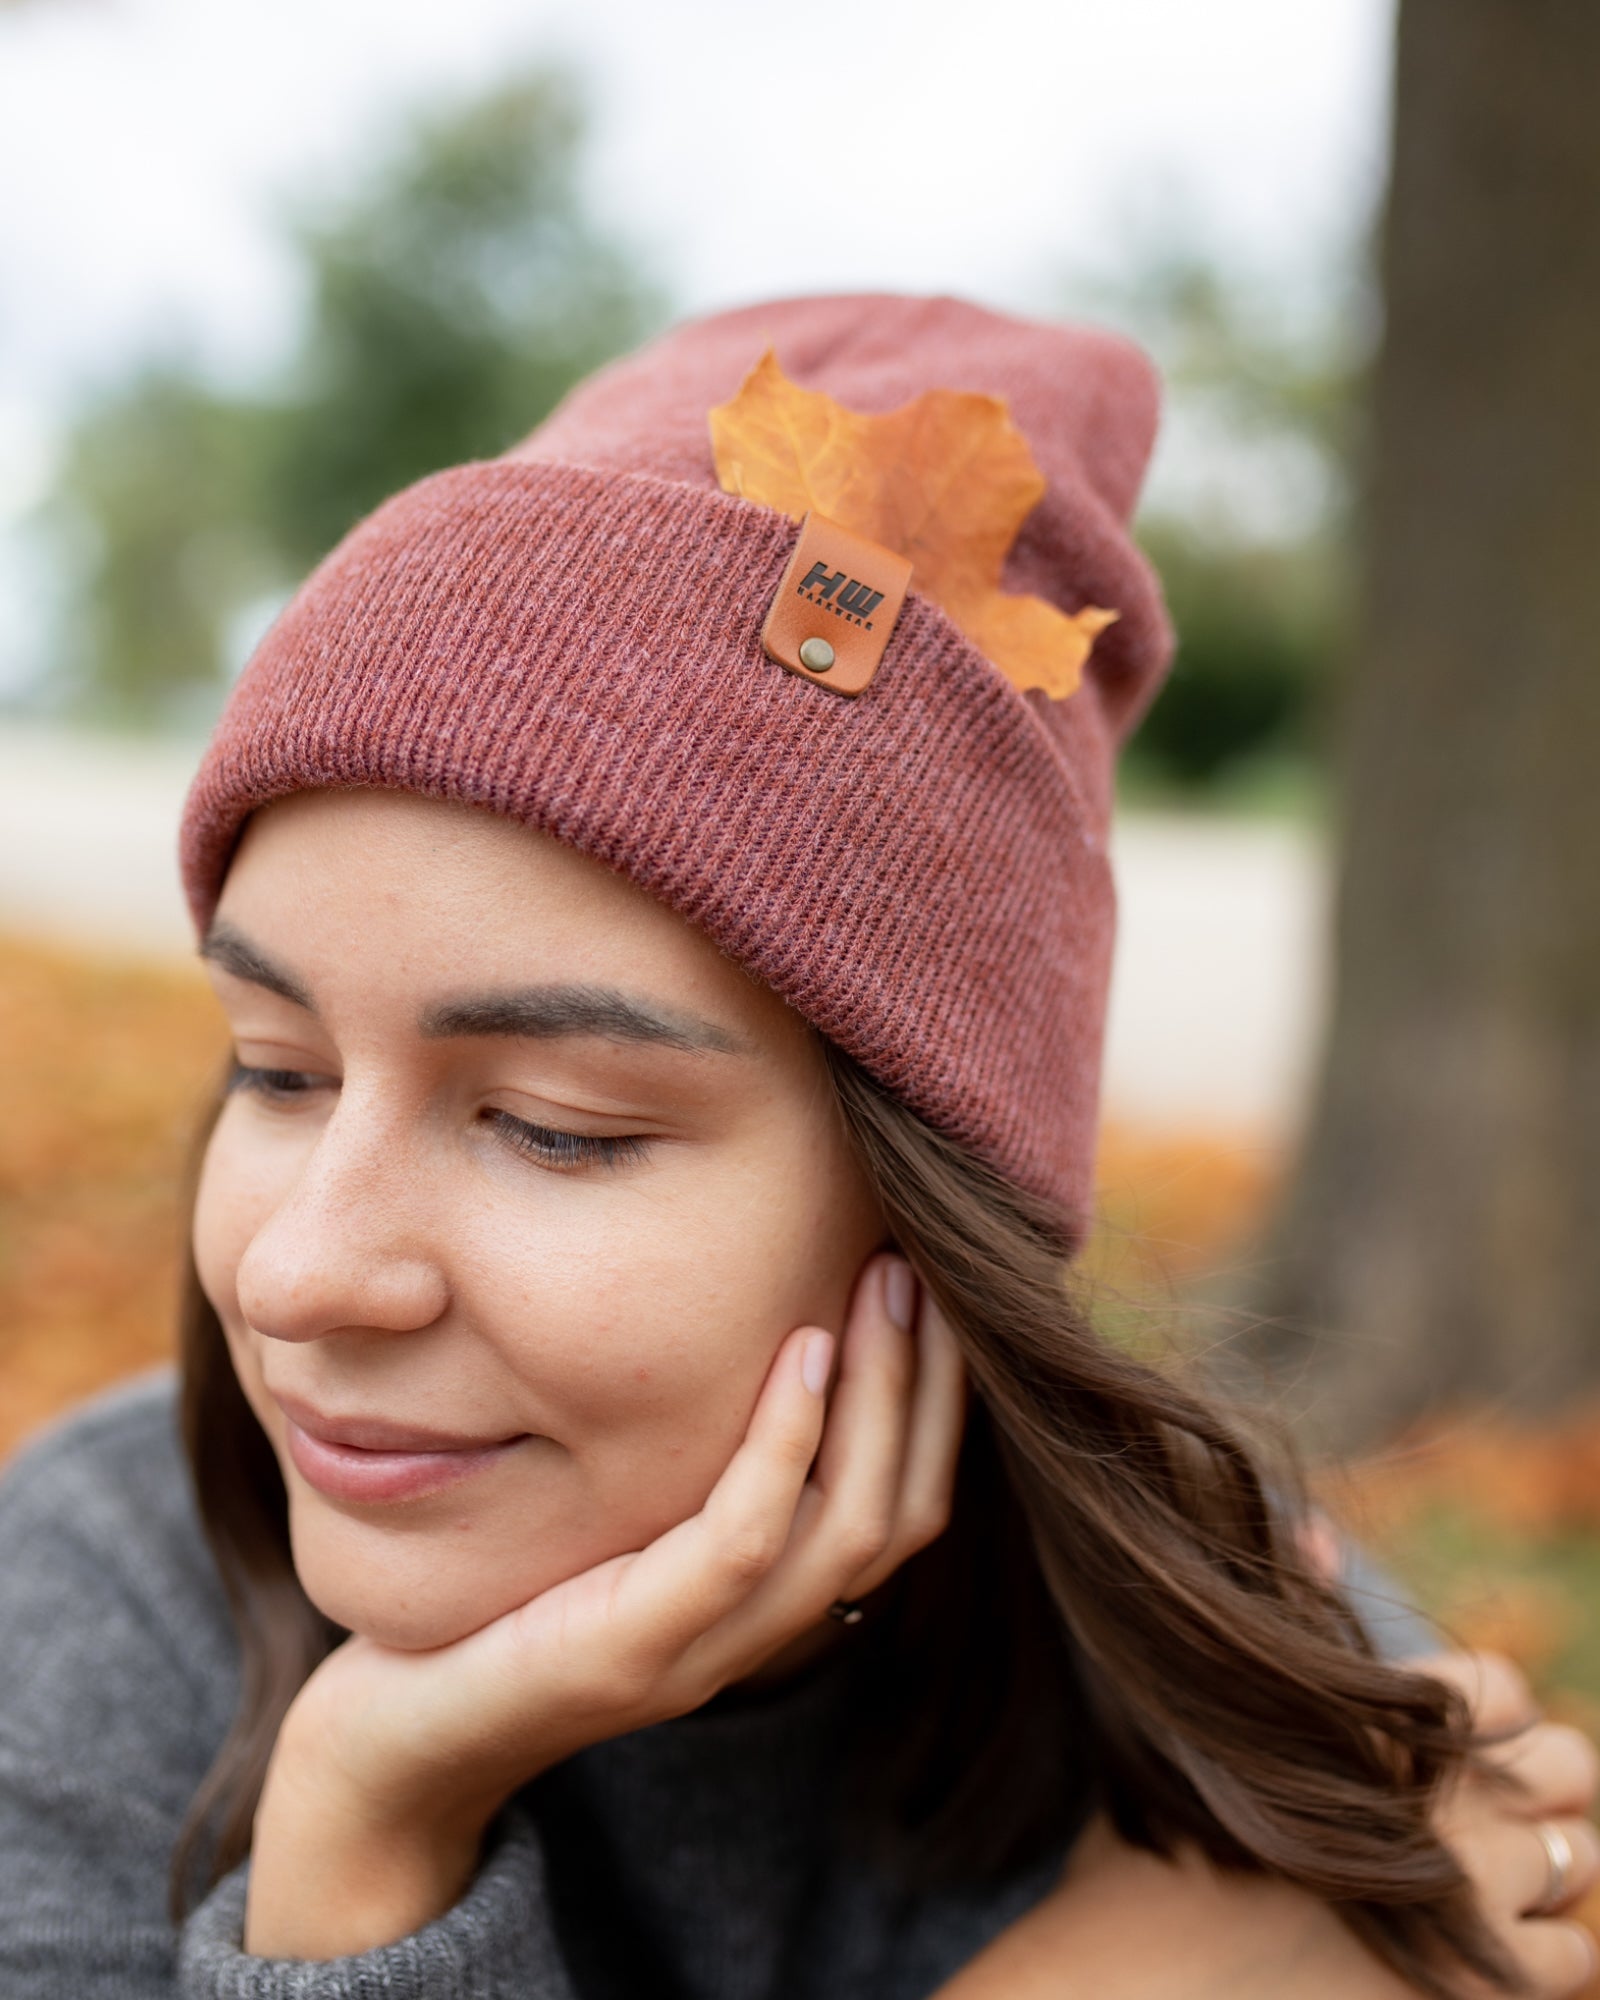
x,y
988,148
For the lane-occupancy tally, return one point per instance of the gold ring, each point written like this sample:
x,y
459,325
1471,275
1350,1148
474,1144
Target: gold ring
x,y
1558,1852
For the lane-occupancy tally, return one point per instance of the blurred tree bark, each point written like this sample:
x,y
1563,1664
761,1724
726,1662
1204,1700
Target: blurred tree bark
x,y
1440,1239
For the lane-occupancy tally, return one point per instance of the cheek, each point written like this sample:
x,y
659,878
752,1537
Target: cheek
x,y
231,1201
235,1194
634,1325
245,1179
630,1330
646,1323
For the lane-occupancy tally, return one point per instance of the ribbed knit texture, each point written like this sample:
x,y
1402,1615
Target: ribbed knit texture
x,y
569,635
694,1860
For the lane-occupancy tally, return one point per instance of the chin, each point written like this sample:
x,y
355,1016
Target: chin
x,y
401,1630
412,1601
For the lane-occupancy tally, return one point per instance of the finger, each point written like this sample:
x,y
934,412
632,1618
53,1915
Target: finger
x,y
881,1422
877,1363
848,1514
702,1569
1557,1767
933,1447
845,1508
1496,1689
1559,1956
1320,1547
1519,1871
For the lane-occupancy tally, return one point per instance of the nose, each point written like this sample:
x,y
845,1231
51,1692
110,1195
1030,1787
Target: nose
x,y
348,1246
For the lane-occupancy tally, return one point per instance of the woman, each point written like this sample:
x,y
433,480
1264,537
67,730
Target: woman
x,y
680,1534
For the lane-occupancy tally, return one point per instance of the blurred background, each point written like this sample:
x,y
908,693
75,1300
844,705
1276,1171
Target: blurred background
x,y
260,267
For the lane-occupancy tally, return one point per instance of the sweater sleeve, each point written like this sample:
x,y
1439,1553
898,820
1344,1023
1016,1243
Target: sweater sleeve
x,y
497,1943
116,1686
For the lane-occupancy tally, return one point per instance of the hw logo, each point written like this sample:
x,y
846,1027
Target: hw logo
x,y
841,594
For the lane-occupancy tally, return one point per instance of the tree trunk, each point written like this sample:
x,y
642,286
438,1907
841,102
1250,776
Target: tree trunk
x,y
1440,1240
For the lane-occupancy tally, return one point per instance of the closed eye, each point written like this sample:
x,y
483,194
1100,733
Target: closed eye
x,y
543,1143
568,1149
270,1082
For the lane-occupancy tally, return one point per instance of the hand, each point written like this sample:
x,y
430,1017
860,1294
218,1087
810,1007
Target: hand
x,y
1492,1832
1132,1926
825,1497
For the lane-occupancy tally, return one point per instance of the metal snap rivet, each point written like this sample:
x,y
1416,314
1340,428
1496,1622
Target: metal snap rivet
x,y
816,654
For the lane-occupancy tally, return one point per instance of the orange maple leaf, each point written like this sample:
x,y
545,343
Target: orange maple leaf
x,y
946,480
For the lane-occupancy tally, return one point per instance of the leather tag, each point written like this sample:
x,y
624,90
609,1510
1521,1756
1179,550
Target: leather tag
x,y
836,606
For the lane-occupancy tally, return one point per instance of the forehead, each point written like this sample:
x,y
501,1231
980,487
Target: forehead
x,y
428,895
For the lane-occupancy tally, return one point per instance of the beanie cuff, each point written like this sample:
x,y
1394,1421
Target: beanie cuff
x,y
579,650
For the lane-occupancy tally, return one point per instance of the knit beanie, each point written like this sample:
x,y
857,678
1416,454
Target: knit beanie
x,y
570,635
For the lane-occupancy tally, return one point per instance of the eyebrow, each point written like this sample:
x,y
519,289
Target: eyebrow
x,y
544,1013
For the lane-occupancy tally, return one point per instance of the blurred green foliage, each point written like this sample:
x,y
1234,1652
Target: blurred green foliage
x,y
454,294
458,286
1249,518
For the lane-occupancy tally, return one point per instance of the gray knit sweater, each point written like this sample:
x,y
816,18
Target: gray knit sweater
x,y
688,1861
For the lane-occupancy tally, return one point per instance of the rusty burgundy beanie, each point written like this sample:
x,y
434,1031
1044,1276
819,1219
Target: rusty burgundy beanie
x,y
569,635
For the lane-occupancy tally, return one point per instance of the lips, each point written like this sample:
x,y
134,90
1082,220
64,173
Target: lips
x,y
370,1459
377,1433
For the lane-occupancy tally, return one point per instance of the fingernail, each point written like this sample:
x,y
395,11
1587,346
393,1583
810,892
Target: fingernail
x,y
899,1292
814,1360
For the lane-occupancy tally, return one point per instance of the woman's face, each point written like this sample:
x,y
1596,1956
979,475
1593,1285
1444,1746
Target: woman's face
x,y
388,1231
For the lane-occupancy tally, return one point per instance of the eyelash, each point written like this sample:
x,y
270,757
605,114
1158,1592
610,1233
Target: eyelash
x,y
568,1149
538,1142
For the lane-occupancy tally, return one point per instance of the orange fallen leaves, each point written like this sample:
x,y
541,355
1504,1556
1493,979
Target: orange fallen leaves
x,y
1174,1205
1535,1480
1501,1517
103,1069
946,480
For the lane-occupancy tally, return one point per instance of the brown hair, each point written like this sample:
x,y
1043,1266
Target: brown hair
x,y
1118,1616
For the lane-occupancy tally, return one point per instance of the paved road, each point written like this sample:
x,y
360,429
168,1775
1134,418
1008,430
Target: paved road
x,y
1216,997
